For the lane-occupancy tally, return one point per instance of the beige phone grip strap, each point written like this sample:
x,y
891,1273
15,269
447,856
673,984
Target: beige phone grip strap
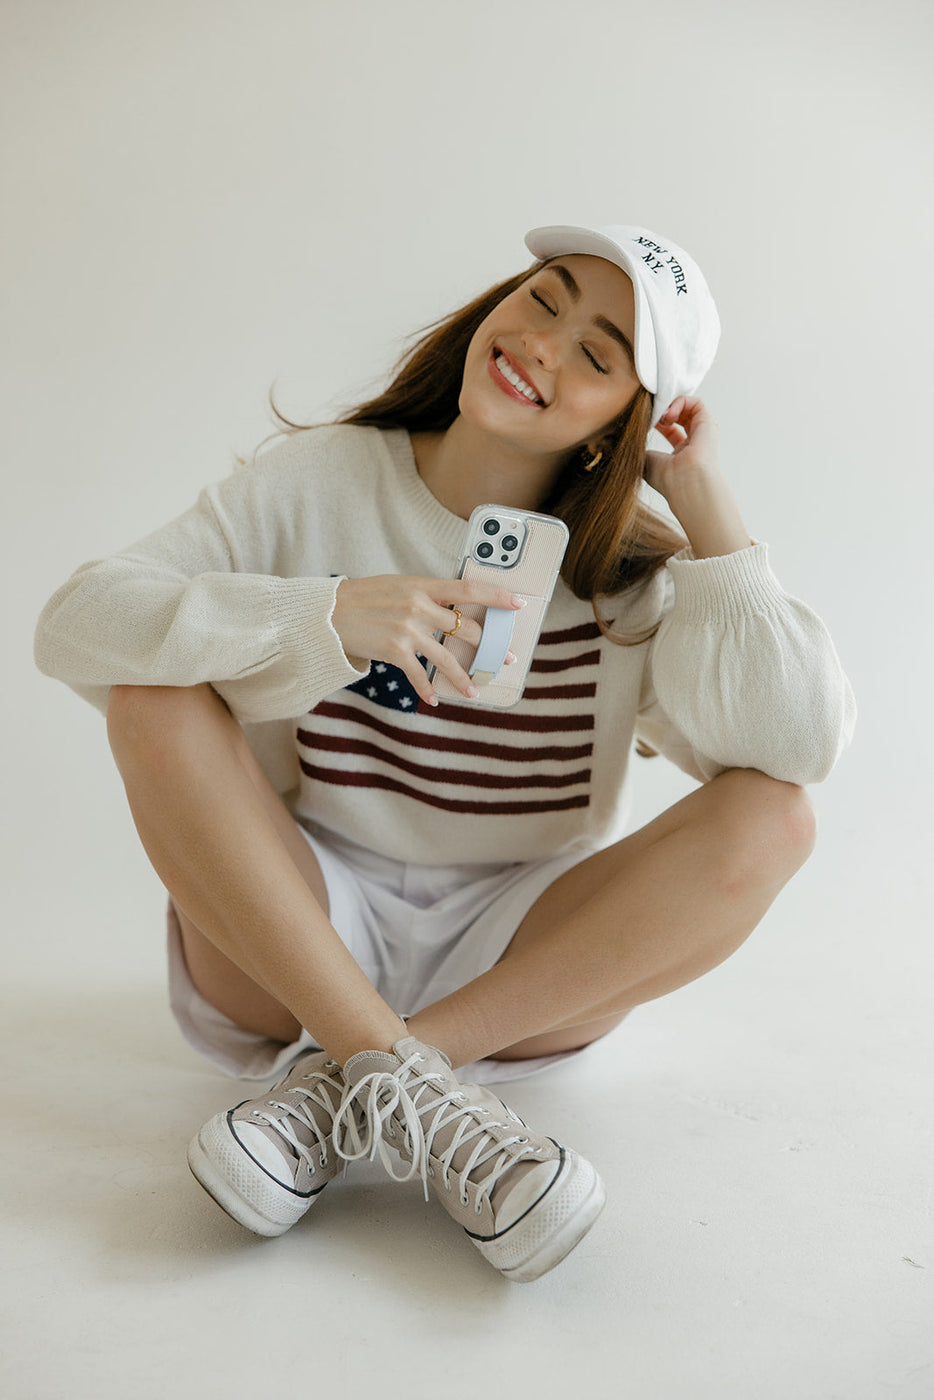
x,y
494,644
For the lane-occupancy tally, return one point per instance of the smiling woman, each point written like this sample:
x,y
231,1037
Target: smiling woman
x,y
557,340
368,890
616,540
655,315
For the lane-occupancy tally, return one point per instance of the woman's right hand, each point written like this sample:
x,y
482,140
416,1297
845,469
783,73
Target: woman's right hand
x,y
391,617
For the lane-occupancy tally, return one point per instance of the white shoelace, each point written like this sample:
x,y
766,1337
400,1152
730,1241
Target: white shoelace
x,y
383,1092
302,1114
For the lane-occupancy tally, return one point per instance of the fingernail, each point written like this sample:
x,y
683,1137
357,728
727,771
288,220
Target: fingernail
x,y
473,692
517,601
433,700
510,657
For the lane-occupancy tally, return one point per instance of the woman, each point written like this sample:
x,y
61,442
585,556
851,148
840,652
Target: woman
x,y
371,890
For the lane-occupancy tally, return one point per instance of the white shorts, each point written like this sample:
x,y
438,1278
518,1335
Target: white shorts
x,y
417,931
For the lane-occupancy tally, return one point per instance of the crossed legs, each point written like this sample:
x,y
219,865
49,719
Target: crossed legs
x,y
638,919
625,926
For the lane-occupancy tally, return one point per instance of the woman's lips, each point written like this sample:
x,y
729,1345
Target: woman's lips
x,y
503,383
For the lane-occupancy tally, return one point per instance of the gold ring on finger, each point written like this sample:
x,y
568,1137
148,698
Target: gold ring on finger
x,y
456,625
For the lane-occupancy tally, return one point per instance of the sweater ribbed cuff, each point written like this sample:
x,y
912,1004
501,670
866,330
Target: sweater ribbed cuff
x,y
724,588
301,616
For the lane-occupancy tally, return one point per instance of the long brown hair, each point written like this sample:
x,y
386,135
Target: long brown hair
x,y
616,542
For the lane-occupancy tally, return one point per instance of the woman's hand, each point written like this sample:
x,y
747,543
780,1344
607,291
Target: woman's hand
x,y
693,434
392,616
689,479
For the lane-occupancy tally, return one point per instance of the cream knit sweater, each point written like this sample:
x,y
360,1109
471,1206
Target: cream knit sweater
x,y
239,591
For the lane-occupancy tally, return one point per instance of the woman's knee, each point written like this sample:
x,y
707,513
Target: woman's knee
x,y
774,824
154,721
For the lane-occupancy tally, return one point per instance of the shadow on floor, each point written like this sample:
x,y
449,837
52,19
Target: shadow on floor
x,y
107,1097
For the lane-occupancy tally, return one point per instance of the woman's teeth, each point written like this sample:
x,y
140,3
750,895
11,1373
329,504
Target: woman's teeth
x,y
509,373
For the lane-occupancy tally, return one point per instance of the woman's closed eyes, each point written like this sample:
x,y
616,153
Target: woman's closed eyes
x,y
541,301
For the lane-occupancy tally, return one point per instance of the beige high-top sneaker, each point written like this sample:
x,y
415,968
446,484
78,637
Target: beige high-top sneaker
x,y
523,1199
267,1160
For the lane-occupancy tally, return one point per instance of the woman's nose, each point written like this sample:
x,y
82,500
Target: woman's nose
x,y
540,345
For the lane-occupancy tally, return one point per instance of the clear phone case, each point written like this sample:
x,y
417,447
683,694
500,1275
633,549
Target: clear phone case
x,y
522,551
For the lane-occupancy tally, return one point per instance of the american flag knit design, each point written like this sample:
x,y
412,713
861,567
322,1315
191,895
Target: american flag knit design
x,y
463,758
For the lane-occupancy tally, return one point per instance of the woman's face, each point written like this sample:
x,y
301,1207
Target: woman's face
x,y
565,334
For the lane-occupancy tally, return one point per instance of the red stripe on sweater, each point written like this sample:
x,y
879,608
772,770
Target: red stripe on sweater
x,y
586,658
560,692
507,753
447,804
464,714
333,744
586,632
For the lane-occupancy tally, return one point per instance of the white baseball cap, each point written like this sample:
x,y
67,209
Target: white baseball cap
x,y
677,327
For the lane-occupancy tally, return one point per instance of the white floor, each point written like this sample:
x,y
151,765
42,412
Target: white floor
x,y
764,1136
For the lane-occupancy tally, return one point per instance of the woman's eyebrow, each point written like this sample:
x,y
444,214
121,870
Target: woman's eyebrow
x,y
602,322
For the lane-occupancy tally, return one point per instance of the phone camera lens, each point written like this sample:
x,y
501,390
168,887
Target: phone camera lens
x,y
484,550
509,542
491,527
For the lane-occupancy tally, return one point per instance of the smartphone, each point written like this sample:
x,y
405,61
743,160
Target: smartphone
x,y
515,549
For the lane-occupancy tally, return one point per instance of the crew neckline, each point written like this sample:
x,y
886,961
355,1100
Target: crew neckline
x,y
445,528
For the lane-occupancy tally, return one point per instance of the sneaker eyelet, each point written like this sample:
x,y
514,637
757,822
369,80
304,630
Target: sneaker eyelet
x,y
447,1186
477,1209
431,1171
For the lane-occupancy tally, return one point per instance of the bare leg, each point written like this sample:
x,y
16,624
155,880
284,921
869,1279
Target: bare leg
x,y
632,922
625,926
228,988
251,895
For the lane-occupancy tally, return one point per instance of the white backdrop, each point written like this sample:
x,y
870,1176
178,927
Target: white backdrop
x,y
203,199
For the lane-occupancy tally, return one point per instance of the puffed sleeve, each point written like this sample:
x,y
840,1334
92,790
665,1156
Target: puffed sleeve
x,y
215,595
742,675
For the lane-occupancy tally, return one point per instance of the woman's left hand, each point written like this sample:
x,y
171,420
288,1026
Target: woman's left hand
x,y
692,432
689,479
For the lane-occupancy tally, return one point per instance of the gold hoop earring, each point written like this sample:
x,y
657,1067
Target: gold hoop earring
x,y
589,466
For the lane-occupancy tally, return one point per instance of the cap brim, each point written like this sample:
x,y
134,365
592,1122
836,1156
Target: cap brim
x,y
554,239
